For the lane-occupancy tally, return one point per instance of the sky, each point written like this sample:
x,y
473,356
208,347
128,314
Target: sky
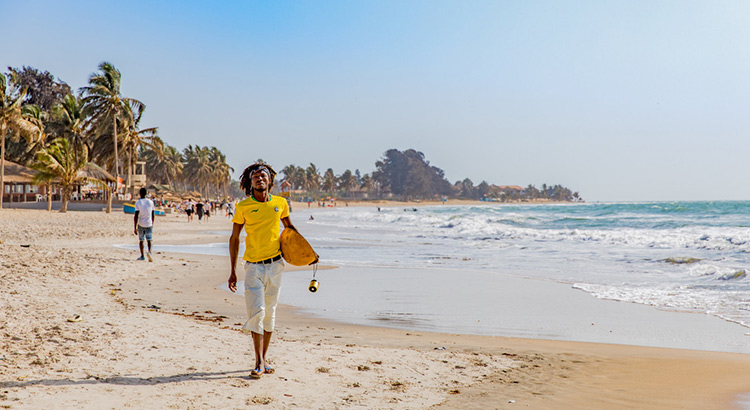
x,y
618,100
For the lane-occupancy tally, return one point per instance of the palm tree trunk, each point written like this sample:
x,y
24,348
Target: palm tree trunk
x,y
130,174
2,164
108,192
49,197
114,136
65,193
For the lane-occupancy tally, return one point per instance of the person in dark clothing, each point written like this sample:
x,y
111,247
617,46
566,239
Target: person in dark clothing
x,y
199,210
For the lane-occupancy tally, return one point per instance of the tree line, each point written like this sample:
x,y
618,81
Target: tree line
x,y
46,126
70,138
407,175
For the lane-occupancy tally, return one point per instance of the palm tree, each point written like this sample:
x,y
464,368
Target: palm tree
x,y
14,122
198,167
221,171
164,162
313,178
69,121
23,150
133,138
301,175
58,163
329,181
106,105
347,181
368,183
290,174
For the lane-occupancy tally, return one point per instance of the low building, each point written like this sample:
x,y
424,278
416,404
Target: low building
x,y
18,185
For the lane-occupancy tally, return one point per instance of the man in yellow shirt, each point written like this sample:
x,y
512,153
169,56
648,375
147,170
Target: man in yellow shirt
x,y
260,214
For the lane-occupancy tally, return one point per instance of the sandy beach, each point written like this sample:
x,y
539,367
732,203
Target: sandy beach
x,y
161,335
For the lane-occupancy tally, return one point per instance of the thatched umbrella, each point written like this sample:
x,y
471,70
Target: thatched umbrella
x,y
171,196
94,172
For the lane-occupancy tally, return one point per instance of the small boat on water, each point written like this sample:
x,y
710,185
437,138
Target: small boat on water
x,y
129,208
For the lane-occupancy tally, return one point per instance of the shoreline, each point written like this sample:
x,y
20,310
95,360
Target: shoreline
x,y
97,206
126,340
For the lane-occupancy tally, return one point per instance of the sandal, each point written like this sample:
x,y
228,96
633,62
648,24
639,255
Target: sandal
x,y
269,370
255,374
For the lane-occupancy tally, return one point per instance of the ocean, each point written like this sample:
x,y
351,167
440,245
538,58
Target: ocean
x,y
679,256
531,270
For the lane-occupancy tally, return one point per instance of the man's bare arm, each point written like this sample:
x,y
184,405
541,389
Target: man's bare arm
x,y
287,223
234,249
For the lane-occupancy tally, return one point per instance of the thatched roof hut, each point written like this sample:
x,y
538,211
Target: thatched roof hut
x,y
17,173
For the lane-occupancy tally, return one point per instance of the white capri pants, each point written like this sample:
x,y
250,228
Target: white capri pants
x,y
262,288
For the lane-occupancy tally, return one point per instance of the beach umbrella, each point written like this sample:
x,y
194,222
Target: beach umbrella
x,y
171,196
92,171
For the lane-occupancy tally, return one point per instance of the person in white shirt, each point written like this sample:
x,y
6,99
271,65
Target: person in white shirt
x,y
143,222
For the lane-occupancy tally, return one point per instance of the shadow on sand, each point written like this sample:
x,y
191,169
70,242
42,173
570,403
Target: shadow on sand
x,y
130,380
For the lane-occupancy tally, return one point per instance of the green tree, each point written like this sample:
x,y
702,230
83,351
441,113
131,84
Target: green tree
x,y
23,150
410,175
531,192
313,178
220,171
14,122
198,167
466,188
69,121
483,190
134,138
58,163
207,170
329,181
42,89
107,107
301,178
368,184
391,171
290,175
164,163
347,181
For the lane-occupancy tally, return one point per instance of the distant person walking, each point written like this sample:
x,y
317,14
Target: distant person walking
x,y
199,210
207,210
230,209
259,214
189,209
143,222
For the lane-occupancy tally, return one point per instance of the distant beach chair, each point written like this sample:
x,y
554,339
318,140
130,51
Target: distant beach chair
x,y
40,197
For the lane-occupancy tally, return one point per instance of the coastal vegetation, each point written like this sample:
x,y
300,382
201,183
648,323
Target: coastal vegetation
x,y
58,162
16,119
41,118
407,175
101,125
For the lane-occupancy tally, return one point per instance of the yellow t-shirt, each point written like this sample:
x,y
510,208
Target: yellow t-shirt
x,y
262,225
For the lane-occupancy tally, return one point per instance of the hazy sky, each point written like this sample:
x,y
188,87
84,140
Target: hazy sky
x,y
619,100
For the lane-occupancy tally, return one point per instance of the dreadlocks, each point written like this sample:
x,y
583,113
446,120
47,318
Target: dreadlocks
x,y
247,176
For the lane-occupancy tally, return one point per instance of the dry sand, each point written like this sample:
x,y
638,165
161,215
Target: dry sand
x,y
161,336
